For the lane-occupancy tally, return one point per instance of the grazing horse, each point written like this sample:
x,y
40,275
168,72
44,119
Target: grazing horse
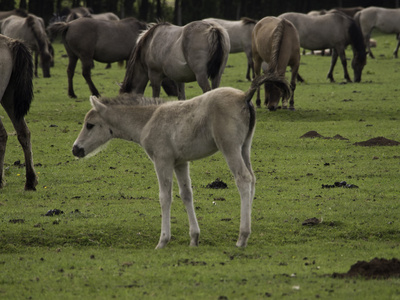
x,y
276,42
334,30
240,37
385,19
175,132
16,94
194,52
88,39
31,30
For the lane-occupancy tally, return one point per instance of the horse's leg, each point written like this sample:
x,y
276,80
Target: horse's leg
x,y
36,63
295,72
342,55
164,170
333,63
397,47
257,60
87,64
181,90
203,82
24,138
3,143
185,190
70,72
250,66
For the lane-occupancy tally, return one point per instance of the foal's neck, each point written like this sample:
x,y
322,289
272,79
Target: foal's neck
x,y
127,121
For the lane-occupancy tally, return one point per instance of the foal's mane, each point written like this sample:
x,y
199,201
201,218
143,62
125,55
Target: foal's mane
x,y
132,100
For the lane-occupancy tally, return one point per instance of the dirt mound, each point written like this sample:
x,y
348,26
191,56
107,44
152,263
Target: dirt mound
x,y
378,268
378,141
311,134
217,184
314,134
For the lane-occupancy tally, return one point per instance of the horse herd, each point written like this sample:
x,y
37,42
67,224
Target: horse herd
x,y
176,132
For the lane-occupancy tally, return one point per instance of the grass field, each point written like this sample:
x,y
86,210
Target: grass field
x,y
102,246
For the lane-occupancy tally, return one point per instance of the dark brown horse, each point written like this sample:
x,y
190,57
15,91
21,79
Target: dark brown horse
x,y
16,94
276,42
88,39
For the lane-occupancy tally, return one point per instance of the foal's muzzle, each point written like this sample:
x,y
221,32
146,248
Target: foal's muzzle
x,y
78,151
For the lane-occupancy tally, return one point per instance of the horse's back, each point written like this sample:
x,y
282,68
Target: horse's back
x,y
384,19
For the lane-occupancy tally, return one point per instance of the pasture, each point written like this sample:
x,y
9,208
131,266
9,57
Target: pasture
x,y
102,245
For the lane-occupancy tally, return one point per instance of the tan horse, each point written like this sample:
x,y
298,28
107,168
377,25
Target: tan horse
x,y
175,132
276,42
16,94
32,31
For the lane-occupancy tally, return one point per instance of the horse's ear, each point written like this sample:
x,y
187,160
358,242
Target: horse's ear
x,y
96,104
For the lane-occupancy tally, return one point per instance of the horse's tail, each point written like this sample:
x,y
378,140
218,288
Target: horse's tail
x,y
277,39
21,77
57,28
357,18
38,33
271,78
218,43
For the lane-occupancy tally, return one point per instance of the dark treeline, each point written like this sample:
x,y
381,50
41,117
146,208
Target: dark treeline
x,y
184,11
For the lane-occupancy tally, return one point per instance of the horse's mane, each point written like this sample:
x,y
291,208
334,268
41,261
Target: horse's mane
x,y
21,12
277,39
246,21
357,40
40,35
126,86
132,100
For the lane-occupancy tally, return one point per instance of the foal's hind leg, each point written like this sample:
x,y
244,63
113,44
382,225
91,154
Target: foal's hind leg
x,y
185,190
245,182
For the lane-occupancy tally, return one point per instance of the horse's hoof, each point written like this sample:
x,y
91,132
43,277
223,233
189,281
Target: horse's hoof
x,y
292,109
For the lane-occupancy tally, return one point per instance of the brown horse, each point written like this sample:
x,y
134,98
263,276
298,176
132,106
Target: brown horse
x,y
16,94
276,42
88,39
32,31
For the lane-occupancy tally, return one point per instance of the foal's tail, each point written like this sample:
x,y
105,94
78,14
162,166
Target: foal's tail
x,y
57,28
218,52
271,78
21,78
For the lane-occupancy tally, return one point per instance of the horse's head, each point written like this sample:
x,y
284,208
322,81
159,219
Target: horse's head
x,y
272,96
95,132
358,63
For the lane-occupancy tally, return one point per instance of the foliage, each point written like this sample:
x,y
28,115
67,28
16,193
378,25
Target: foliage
x,y
102,245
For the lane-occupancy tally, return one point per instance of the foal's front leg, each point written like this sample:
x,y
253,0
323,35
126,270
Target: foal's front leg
x,y
185,189
165,175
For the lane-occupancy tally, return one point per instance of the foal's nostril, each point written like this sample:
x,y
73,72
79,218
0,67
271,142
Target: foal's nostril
x,y
78,151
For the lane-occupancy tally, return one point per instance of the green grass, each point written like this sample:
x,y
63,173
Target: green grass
x,y
102,245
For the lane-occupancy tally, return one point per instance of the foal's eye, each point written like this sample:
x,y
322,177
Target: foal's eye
x,y
89,126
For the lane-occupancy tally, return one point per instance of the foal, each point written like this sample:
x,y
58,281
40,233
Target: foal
x,y
176,132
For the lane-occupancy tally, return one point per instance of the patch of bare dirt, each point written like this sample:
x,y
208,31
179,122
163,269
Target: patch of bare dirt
x,y
314,134
378,141
378,268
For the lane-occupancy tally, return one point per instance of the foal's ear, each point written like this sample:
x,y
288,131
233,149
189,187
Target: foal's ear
x,y
97,105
